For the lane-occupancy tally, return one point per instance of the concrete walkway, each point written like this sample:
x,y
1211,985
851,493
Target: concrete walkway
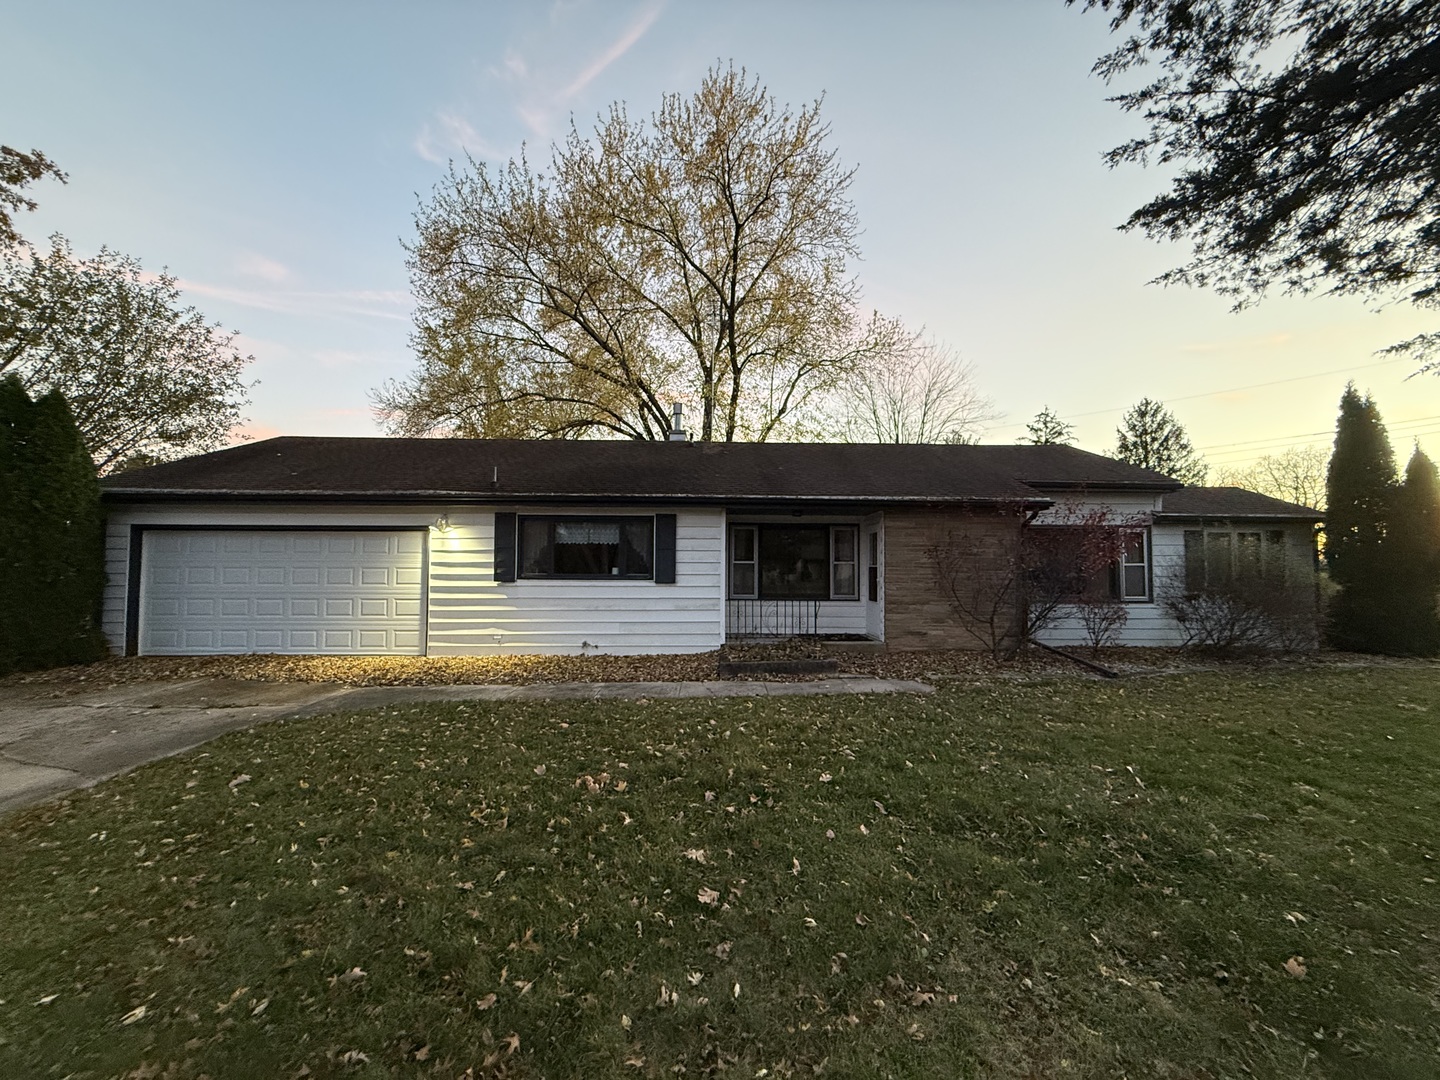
x,y
55,738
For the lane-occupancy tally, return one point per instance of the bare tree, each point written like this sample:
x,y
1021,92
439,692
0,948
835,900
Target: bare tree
x,y
1297,475
1103,618
699,256
1006,588
1070,560
982,577
920,393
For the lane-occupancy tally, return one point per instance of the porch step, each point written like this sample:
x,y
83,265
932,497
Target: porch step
x,y
743,669
852,646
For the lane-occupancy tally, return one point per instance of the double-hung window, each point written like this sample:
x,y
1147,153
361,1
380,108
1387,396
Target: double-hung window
x,y
794,562
1133,571
587,547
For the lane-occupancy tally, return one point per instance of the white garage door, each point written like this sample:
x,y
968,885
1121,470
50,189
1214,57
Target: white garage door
x,y
282,592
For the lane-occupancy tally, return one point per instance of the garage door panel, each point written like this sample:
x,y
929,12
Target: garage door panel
x,y
263,591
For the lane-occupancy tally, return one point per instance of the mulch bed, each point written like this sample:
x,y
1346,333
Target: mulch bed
x,y
930,666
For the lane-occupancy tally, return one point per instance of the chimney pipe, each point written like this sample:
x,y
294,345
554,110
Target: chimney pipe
x,y
677,426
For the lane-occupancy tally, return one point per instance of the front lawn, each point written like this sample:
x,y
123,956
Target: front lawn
x,y
1205,876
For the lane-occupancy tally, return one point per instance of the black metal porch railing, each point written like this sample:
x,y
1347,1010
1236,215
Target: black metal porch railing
x,y
772,618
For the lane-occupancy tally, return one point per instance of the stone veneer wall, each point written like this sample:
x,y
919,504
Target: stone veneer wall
x,y
919,613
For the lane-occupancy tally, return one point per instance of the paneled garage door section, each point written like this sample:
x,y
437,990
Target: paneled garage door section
x,y
281,592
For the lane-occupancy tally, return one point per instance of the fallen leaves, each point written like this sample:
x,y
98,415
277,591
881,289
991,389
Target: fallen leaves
x,y
133,1016
708,896
1295,967
346,978
486,1002
695,855
243,778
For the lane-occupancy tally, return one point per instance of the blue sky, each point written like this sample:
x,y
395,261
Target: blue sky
x,y
272,156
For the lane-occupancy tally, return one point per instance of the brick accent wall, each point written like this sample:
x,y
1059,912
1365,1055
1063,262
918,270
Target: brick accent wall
x,y
919,611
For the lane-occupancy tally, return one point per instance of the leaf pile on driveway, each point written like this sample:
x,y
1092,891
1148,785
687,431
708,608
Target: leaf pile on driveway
x,y
1206,876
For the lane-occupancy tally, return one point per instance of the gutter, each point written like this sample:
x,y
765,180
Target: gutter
x,y
170,495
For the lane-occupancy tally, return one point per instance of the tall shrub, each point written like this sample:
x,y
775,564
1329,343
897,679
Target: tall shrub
x,y
52,574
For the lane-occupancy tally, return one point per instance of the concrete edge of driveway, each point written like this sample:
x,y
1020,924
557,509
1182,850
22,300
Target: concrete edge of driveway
x,y
51,747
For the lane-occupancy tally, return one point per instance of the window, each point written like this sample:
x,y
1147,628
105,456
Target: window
x,y
1134,569
872,574
844,579
1062,562
592,547
1219,558
743,578
794,562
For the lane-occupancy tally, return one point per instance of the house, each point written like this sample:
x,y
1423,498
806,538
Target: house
x,y
451,547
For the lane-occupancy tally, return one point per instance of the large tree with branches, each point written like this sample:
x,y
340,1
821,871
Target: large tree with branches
x,y
697,256
1303,137
145,378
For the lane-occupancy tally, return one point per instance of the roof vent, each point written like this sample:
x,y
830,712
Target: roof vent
x,y
677,425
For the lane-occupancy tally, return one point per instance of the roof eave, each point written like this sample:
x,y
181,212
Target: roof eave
x,y
1313,517
171,495
1096,485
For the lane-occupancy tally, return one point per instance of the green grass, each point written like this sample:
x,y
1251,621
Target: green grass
x,y
1052,879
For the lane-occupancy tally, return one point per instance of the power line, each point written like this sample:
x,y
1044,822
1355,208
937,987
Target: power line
x,y
1229,390
1309,434
1255,453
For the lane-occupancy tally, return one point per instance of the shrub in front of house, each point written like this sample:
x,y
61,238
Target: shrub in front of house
x,y
52,572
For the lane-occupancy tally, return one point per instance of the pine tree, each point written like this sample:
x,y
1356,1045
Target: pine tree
x,y
1151,437
51,525
1047,429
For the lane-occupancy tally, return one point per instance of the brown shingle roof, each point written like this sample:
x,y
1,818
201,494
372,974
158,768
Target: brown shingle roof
x,y
372,470
1232,502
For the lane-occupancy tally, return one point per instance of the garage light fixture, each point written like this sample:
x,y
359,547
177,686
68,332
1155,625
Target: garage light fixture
x,y
442,524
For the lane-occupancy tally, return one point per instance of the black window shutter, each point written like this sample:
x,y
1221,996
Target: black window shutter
x,y
665,549
504,547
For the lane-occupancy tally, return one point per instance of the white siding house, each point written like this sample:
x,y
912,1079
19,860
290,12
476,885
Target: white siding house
x,y
467,547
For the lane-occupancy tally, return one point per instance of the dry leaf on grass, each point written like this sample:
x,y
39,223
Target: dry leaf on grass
x,y
1295,967
133,1015
708,897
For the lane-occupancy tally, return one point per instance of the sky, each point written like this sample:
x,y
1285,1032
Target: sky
x,y
272,157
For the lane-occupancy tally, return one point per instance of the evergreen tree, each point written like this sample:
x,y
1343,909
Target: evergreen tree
x,y
1151,437
1047,429
1359,487
52,574
1360,498
1414,540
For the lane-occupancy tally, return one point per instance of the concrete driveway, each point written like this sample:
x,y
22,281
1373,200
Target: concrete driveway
x,y
55,738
